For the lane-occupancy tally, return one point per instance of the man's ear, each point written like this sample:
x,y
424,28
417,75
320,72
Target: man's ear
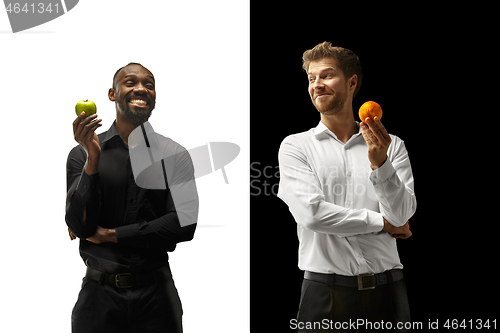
x,y
353,82
112,94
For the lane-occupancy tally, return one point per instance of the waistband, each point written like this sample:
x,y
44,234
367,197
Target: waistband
x,y
129,280
362,281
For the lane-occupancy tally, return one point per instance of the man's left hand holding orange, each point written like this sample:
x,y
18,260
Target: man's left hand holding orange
x,y
378,140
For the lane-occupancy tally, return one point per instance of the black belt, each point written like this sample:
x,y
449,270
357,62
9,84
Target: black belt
x,y
362,281
129,280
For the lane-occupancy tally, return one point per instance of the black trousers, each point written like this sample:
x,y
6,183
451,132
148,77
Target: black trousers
x,y
106,308
330,308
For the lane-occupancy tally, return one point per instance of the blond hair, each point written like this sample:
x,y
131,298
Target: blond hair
x,y
347,60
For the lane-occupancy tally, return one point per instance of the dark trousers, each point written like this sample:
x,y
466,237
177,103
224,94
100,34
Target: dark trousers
x,y
106,308
331,308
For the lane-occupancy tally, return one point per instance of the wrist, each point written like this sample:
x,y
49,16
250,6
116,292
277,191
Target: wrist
x,y
375,166
111,233
387,226
92,165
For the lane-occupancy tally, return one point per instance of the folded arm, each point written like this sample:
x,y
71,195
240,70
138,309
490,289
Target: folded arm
x,y
179,223
301,190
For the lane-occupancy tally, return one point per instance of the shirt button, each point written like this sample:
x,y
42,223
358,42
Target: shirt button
x,y
348,174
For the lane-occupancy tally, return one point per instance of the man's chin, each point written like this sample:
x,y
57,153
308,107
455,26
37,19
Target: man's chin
x,y
330,109
138,118
327,111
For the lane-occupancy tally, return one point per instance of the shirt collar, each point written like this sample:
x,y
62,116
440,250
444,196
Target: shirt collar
x,y
322,132
112,132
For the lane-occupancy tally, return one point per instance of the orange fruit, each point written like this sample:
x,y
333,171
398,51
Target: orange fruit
x,y
370,110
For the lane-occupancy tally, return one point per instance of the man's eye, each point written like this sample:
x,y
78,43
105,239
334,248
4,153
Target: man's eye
x,y
129,83
150,86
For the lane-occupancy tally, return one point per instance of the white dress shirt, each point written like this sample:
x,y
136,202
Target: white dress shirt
x,y
338,201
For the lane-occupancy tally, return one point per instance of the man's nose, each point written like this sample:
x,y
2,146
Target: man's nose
x,y
140,88
318,84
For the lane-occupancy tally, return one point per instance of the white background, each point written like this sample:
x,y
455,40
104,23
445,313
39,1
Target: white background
x,y
199,54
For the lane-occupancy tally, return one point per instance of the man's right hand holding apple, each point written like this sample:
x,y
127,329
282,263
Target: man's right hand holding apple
x,y
84,132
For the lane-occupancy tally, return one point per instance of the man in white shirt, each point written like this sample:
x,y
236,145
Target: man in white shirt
x,y
349,186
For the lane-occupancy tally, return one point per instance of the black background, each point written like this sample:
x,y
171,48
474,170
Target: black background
x,y
430,71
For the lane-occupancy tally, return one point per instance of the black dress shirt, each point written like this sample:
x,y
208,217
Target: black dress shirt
x,y
146,220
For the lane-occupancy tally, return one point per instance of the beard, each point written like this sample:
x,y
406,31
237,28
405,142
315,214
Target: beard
x,y
138,117
333,105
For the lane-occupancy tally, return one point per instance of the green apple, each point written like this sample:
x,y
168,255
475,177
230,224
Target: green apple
x,y
85,106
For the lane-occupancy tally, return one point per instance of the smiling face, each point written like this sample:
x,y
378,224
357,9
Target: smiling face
x,y
328,88
134,93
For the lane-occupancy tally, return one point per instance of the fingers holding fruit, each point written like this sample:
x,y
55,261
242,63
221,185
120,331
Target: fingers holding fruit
x,y
376,136
376,132
371,110
84,127
378,141
370,114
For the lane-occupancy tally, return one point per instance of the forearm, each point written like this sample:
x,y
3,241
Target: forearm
x,y
92,164
315,214
162,233
82,225
177,225
83,205
345,222
396,197
103,235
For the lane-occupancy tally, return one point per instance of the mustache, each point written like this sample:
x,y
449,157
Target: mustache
x,y
324,92
139,96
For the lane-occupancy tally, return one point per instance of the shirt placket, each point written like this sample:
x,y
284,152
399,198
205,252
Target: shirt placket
x,y
348,178
132,209
348,203
132,204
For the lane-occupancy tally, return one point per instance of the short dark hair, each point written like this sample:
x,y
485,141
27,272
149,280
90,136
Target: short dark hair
x,y
347,60
119,69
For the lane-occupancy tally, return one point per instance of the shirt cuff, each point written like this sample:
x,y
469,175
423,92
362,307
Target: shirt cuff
x,y
87,186
375,222
383,173
126,234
